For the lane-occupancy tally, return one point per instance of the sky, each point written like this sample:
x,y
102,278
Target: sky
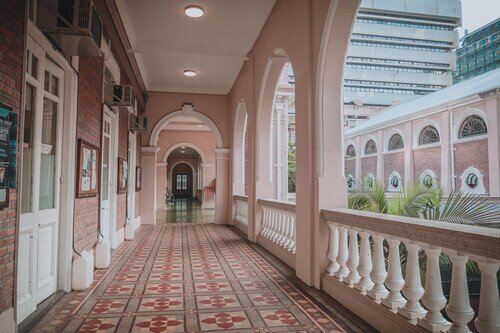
x,y
476,13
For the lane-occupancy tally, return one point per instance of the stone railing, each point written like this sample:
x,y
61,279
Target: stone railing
x,y
241,211
357,261
278,223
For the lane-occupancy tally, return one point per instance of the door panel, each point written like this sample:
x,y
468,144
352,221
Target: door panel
x,y
105,175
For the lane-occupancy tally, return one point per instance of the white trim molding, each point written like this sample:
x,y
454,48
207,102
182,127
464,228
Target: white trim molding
x,y
428,172
418,130
460,120
365,140
387,137
479,189
390,186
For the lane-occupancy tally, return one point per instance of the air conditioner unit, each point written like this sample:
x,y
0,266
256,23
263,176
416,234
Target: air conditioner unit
x,y
123,96
138,123
73,25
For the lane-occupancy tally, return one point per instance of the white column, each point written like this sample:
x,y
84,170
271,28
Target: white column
x,y
488,318
445,135
222,171
148,193
433,298
195,183
394,280
378,273
343,271
412,288
333,249
458,308
493,114
408,176
161,184
380,156
353,261
365,264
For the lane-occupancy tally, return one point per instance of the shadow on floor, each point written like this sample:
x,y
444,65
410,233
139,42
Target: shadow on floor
x,y
186,211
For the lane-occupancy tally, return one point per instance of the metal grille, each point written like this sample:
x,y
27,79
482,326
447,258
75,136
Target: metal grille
x,y
371,147
428,135
351,152
473,126
396,142
96,28
83,14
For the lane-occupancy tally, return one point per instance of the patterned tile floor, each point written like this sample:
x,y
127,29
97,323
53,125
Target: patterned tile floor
x,y
191,278
185,211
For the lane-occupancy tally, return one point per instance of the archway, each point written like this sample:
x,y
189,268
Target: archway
x,y
240,150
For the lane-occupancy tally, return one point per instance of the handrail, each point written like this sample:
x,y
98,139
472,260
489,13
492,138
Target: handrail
x,y
240,197
284,205
460,237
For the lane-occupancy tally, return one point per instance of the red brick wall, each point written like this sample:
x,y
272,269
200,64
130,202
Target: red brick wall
x,y
369,164
350,167
11,85
394,162
88,128
474,154
428,158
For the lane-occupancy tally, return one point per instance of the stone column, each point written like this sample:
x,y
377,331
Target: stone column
x,y
195,183
493,114
408,176
445,176
161,184
222,166
148,193
380,157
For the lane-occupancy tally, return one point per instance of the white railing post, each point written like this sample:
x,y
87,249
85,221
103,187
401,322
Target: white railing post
x,y
394,280
378,273
365,264
288,230
353,261
458,308
433,298
292,245
488,318
412,288
333,249
265,221
343,271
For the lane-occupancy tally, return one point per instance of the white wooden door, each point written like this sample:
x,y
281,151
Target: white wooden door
x,y
40,189
106,175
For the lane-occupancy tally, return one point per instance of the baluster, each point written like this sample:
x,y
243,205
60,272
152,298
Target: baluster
x,y
265,221
288,230
279,224
343,271
281,237
488,318
365,264
433,298
353,261
412,288
378,274
333,249
394,280
284,238
458,308
291,246
272,220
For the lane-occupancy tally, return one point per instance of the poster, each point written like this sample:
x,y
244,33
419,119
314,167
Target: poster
x,y
88,170
8,144
122,175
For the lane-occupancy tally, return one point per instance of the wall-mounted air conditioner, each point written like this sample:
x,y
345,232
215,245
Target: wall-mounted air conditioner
x,y
138,123
74,25
122,96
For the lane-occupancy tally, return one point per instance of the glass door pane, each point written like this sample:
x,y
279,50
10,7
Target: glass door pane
x,y
48,155
27,172
105,167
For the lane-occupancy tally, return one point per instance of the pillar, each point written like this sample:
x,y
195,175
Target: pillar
x,y
195,183
408,176
446,132
161,184
148,193
380,157
493,121
222,173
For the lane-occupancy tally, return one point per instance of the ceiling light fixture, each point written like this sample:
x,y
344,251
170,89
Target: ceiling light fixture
x,y
200,125
183,147
194,11
190,73
183,151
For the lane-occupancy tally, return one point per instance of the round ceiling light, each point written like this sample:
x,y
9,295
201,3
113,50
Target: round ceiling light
x,y
193,11
183,151
183,147
190,72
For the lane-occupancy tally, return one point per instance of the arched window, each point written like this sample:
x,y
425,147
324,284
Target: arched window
x,y
350,152
428,135
369,181
395,182
395,142
351,182
473,181
428,179
472,126
371,147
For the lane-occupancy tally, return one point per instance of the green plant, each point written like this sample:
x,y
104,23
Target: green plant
x,y
292,162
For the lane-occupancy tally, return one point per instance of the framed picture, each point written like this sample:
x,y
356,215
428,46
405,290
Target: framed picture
x,y
8,148
88,170
4,198
138,178
122,175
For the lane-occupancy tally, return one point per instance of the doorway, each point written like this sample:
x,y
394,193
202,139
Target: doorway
x,y
182,178
41,174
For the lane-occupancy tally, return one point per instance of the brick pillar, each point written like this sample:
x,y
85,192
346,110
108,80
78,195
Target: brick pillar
x,y
148,206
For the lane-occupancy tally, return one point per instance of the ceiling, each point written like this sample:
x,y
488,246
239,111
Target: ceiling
x,y
186,123
166,42
184,152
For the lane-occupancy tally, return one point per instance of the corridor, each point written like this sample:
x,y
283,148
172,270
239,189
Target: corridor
x,y
192,278
186,211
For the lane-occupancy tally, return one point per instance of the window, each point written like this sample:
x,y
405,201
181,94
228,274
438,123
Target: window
x,y
472,181
181,183
428,135
350,152
428,179
395,142
351,181
371,147
369,181
395,182
472,126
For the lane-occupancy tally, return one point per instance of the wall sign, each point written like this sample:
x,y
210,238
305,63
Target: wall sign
x,y
88,170
8,146
122,175
138,178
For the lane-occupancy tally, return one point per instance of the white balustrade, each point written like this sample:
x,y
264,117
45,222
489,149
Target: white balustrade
x,y
278,223
241,212
363,267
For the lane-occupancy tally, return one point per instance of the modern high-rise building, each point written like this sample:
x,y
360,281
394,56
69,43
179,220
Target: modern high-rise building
x,y
399,51
479,52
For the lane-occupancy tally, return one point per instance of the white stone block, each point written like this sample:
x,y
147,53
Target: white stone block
x,y
102,254
83,271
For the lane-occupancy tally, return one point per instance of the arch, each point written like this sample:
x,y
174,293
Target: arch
x,y
187,110
394,182
426,123
424,179
469,176
461,119
369,180
184,144
182,162
389,135
350,151
365,141
370,147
